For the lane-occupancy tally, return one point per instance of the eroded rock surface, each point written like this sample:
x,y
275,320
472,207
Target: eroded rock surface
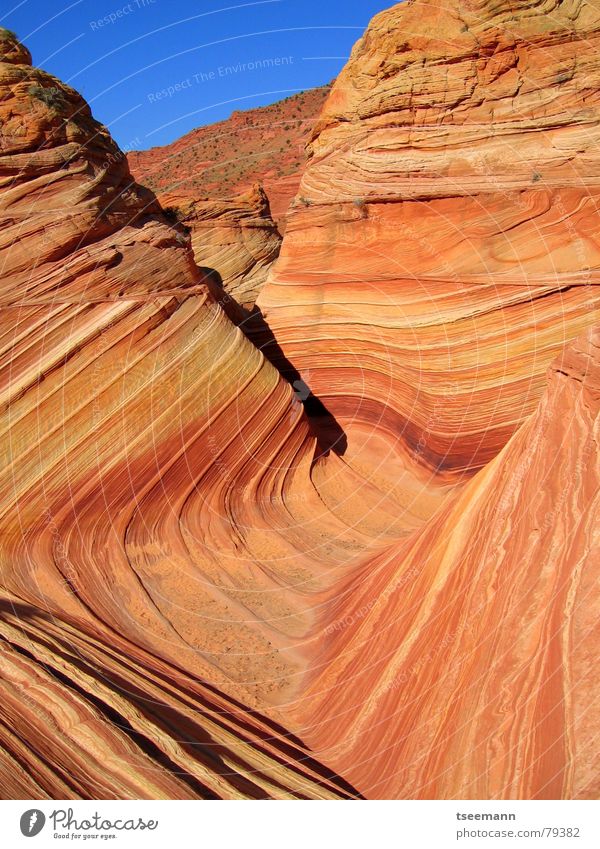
x,y
377,576
444,244
235,241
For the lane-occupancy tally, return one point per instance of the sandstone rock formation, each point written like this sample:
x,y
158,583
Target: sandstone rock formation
x,y
93,715
222,160
461,664
74,224
234,240
445,241
123,387
376,576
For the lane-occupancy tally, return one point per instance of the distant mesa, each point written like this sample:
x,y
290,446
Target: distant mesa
x,y
263,145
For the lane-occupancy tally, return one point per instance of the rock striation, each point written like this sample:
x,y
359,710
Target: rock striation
x,y
460,664
94,716
444,244
234,240
74,224
123,472
354,558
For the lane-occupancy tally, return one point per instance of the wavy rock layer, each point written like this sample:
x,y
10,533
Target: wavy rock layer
x,y
199,560
162,490
445,241
74,225
98,717
126,523
234,240
462,663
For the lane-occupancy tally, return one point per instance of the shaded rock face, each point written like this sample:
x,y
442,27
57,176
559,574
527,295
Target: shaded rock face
x,y
444,243
234,240
218,583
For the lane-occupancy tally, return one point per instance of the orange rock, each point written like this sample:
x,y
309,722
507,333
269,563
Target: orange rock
x,y
391,556
123,476
461,664
235,241
74,224
444,243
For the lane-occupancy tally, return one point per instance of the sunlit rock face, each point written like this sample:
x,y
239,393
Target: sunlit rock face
x,y
146,446
235,241
74,224
224,160
358,556
461,663
444,242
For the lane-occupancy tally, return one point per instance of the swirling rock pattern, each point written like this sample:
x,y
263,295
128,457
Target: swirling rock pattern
x,y
74,224
461,664
123,388
97,717
444,244
378,580
234,240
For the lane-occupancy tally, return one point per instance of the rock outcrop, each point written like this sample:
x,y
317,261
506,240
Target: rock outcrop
x,y
375,576
461,664
124,584
445,241
74,224
234,240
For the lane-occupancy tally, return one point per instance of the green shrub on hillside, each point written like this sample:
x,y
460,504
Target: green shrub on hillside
x,y
52,97
172,214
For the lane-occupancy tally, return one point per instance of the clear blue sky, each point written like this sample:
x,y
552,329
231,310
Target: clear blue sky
x,y
122,55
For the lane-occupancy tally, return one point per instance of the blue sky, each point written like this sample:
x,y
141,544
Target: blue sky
x,y
154,69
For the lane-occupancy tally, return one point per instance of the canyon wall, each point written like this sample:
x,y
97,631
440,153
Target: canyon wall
x,y
461,663
219,161
444,242
359,563
123,388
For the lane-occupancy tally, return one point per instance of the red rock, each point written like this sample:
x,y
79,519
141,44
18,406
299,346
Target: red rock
x,y
444,244
187,556
226,159
234,240
461,664
122,387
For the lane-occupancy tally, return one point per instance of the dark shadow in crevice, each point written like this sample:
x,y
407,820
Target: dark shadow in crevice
x,y
327,431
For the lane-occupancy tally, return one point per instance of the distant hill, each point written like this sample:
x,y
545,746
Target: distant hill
x,y
221,160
